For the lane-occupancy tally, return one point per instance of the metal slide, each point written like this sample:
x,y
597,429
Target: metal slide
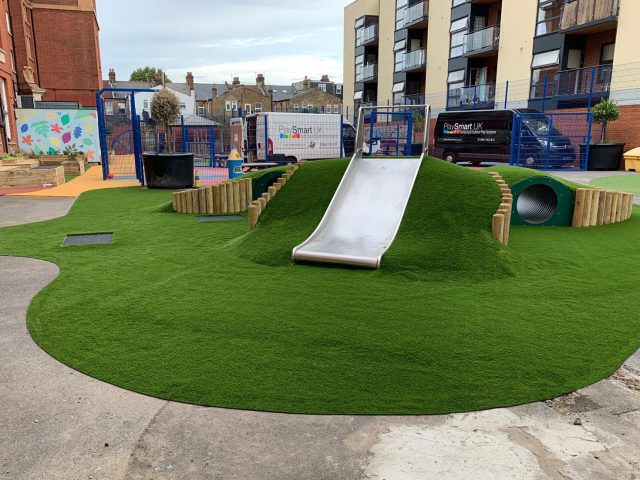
x,y
365,213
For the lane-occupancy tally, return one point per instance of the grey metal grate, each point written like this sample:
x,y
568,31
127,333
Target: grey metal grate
x,y
88,239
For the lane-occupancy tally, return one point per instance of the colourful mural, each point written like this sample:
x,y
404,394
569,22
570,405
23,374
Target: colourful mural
x,y
59,132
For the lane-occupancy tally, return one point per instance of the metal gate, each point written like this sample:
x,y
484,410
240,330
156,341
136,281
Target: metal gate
x,y
120,133
388,133
551,141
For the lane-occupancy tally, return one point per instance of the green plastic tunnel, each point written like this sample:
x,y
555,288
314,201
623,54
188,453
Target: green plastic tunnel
x,y
542,202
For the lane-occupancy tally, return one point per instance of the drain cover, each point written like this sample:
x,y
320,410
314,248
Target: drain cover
x,y
221,218
88,239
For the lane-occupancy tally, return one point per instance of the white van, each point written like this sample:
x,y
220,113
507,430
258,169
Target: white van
x,y
290,137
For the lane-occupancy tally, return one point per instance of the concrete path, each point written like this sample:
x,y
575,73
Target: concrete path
x,y
588,177
56,423
18,211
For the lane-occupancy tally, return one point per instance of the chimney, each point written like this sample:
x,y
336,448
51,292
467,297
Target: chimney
x,y
325,78
306,83
112,76
260,80
214,92
236,82
190,82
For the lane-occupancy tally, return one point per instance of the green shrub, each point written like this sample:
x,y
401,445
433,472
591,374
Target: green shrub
x,y
604,112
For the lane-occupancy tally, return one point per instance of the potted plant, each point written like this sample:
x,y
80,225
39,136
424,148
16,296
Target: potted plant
x,y
605,155
164,167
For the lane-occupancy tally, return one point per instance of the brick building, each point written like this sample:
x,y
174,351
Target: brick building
x,y
57,50
311,100
249,98
8,133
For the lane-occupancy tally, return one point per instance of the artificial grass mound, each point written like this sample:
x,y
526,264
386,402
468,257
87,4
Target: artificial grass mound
x,y
622,183
513,175
448,215
171,310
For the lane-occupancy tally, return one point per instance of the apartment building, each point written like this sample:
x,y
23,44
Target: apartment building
x,y
473,54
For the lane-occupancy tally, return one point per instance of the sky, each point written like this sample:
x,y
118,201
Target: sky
x,y
220,39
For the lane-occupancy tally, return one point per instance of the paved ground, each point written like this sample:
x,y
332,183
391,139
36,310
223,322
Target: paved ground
x,y
56,423
17,211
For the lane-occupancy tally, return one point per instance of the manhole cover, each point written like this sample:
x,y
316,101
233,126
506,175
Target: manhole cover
x,y
222,218
88,239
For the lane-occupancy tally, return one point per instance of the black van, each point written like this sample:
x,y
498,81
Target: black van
x,y
485,136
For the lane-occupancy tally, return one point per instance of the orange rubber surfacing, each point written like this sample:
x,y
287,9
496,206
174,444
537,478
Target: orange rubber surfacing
x,y
91,180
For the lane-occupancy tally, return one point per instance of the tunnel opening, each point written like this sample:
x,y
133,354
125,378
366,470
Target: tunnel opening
x,y
537,204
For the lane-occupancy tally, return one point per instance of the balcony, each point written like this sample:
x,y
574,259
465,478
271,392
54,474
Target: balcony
x,y
474,97
574,87
414,60
366,36
367,73
416,15
589,16
417,99
482,43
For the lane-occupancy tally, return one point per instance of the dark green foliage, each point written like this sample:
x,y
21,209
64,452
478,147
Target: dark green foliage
x,y
210,314
148,74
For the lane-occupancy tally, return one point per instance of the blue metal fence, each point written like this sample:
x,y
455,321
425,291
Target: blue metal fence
x,y
556,141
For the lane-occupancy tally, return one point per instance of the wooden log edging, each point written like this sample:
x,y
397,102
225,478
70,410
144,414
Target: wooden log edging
x,y
597,206
232,196
257,207
501,222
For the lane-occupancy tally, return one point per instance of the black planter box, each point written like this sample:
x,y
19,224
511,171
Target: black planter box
x,y
168,170
604,156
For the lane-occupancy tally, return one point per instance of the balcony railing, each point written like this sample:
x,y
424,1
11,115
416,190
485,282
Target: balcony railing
x,y
415,59
482,39
473,97
367,35
367,72
416,12
579,12
417,99
581,81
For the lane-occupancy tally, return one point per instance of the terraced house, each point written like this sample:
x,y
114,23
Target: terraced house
x,y
473,54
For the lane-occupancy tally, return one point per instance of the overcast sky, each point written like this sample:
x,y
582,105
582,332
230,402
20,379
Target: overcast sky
x,y
220,39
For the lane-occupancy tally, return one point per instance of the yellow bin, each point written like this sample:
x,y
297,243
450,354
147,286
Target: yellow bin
x,y
632,160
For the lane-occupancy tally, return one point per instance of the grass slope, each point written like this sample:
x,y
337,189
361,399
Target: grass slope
x,y
622,183
181,310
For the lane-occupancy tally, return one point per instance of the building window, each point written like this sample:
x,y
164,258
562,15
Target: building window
x,y
549,14
455,84
358,96
401,12
227,105
296,107
108,108
122,108
608,51
458,2
234,106
182,106
201,110
9,24
458,31
399,49
247,108
258,108
145,104
359,67
544,66
336,109
322,87
339,89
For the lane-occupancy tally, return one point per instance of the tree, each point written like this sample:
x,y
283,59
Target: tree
x,y
604,112
147,74
165,107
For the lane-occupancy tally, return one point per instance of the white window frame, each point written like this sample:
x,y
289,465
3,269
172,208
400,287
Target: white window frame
x,y
227,105
336,109
108,108
398,87
358,95
296,107
234,105
201,110
9,24
546,59
145,104
247,109
338,89
258,107
122,106
322,87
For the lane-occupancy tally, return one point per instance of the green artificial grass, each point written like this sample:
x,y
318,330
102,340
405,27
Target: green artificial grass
x,y
622,183
210,314
513,175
